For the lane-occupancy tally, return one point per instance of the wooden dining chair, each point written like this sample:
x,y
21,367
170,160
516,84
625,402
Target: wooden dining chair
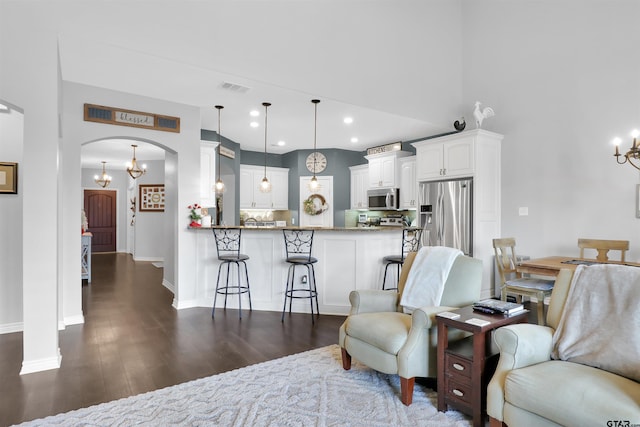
x,y
603,247
512,281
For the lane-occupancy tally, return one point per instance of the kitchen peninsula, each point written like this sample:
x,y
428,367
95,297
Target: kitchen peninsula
x,y
348,259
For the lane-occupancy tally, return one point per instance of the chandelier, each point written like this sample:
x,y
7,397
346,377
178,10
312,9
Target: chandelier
x,y
313,184
219,186
134,170
265,185
633,155
103,180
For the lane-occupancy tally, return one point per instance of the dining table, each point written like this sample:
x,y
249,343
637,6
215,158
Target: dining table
x,y
551,265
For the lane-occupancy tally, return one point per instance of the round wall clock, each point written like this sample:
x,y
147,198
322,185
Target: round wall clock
x,y
320,162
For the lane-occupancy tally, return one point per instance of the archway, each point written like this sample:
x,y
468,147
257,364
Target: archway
x,y
136,230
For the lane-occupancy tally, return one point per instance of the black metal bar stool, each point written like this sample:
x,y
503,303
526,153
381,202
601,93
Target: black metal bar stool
x,y
228,247
298,245
410,243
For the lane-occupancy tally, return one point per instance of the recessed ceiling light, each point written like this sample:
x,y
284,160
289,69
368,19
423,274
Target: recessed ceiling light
x,y
281,143
254,113
348,120
254,124
354,139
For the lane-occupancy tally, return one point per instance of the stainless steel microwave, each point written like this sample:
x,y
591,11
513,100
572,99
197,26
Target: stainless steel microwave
x,y
384,198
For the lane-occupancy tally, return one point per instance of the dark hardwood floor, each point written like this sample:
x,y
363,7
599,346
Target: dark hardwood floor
x,y
133,341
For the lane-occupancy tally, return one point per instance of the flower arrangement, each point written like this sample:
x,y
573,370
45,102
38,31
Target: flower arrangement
x,y
195,215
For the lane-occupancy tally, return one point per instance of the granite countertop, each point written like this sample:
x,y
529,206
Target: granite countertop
x,y
369,229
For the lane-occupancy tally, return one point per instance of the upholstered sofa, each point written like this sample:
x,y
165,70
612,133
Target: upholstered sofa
x,y
378,334
529,388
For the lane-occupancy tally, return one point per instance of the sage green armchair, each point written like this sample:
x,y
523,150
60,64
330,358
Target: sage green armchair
x,y
378,334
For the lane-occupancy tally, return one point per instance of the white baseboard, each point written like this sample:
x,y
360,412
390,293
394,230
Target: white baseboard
x,y
179,305
152,259
78,319
169,286
29,367
9,328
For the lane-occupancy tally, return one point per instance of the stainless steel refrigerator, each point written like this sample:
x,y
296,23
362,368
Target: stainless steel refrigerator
x,y
446,212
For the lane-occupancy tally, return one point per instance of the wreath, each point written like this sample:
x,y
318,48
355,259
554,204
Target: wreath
x,y
315,204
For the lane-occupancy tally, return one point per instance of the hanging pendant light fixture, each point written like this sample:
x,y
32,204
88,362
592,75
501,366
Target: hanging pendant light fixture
x,y
219,187
133,169
313,184
104,180
265,185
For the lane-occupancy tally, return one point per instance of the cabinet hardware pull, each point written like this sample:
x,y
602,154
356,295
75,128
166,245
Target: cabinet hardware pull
x,y
458,366
458,392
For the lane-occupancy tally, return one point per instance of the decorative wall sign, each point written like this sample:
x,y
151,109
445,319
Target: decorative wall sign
x,y
227,152
122,117
151,197
8,178
396,146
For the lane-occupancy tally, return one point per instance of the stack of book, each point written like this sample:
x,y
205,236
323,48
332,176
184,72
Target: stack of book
x,y
495,306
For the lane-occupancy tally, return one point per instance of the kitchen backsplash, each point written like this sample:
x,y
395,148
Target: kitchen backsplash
x,y
351,216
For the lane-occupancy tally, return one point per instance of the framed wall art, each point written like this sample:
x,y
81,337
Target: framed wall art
x,y
8,178
151,197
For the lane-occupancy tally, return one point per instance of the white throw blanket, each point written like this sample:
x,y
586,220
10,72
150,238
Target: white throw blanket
x,y
426,279
600,324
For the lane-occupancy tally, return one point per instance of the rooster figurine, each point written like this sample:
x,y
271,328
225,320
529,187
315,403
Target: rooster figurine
x,y
480,115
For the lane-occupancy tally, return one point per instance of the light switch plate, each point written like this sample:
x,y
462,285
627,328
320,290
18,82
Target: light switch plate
x,y
523,211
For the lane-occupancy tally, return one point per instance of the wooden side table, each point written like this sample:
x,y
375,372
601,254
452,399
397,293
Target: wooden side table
x,y
462,373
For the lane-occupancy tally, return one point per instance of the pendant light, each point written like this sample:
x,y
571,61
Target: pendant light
x,y
265,185
219,187
133,169
104,180
313,184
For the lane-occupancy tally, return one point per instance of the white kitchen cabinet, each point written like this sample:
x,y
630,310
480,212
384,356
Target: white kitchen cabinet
x,y
408,183
384,170
207,173
250,195
359,186
474,154
443,160
279,188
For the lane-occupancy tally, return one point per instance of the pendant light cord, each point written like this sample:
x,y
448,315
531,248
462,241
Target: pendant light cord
x,y
266,106
315,131
219,107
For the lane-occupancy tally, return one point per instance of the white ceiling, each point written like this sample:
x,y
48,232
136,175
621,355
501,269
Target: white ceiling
x,y
177,66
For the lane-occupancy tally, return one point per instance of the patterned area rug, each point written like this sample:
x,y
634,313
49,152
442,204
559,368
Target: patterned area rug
x,y
306,389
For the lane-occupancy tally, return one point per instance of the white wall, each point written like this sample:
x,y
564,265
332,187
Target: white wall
x,y
30,81
563,80
11,130
150,236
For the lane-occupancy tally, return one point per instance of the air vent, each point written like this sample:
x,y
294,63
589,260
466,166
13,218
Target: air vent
x,y
234,87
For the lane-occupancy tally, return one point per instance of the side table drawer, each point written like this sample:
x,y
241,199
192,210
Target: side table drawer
x,y
456,365
458,391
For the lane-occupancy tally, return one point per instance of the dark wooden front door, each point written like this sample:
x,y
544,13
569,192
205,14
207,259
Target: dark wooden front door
x,y
100,207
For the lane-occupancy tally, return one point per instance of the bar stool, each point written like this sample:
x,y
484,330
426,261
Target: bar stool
x,y
298,245
410,243
228,247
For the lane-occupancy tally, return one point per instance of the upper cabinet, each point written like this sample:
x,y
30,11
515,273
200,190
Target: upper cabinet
x,y
383,169
250,195
359,186
442,160
408,183
207,173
